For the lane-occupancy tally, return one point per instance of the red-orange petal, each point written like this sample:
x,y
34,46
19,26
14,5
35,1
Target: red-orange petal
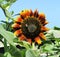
x,y
29,40
43,28
19,19
42,16
15,25
46,22
31,13
18,32
38,40
36,13
22,14
22,37
42,36
27,13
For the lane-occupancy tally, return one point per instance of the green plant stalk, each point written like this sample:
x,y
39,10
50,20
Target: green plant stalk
x,y
4,11
7,19
5,42
5,45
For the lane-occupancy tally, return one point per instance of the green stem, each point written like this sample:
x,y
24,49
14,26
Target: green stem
x,y
47,54
7,19
33,46
5,45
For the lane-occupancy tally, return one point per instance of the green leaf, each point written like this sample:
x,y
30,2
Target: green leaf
x,y
24,44
12,12
1,55
7,35
54,55
1,1
32,53
12,1
53,35
1,37
7,54
49,47
6,3
6,6
16,52
8,14
56,28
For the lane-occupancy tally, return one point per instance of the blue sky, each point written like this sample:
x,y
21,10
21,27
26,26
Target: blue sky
x,y
51,8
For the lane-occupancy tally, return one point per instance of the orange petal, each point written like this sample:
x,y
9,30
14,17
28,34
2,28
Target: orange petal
x,y
36,13
29,40
18,32
15,25
42,36
37,39
22,14
46,22
31,13
43,28
22,37
42,16
19,19
27,13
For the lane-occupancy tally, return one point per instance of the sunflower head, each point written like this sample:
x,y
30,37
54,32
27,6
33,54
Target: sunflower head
x,y
30,26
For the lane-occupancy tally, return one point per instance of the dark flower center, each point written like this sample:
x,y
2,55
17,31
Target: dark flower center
x,y
31,27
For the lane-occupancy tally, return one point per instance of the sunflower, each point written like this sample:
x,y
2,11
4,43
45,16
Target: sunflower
x,y
30,26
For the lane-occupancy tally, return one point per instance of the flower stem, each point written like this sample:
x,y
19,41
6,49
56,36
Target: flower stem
x,y
5,45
